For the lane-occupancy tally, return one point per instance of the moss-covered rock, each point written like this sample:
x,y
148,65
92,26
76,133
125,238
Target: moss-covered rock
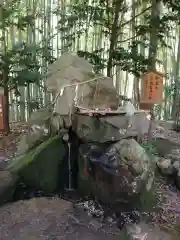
x,y
121,176
40,167
8,183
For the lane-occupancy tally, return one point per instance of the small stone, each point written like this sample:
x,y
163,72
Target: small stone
x,y
175,151
110,220
95,224
176,165
66,137
165,166
174,157
143,231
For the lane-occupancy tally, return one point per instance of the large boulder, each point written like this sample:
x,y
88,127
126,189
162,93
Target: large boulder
x,y
40,167
93,129
109,128
122,173
73,82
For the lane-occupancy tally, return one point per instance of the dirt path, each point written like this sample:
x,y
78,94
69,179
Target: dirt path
x,y
43,218
56,219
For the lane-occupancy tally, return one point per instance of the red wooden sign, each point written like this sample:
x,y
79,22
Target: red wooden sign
x,y
2,125
152,87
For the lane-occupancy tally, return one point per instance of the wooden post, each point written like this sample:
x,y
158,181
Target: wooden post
x,y
4,126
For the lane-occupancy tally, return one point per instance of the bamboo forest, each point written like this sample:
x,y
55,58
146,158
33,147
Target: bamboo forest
x,y
90,119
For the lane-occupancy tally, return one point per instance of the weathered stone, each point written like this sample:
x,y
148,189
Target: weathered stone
x,y
176,152
105,129
45,120
71,69
118,174
143,231
134,155
41,166
28,141
110,128
173,157
163,146
92,129
176,165
40,117
177,179
8,183
57,123
139,123
165,166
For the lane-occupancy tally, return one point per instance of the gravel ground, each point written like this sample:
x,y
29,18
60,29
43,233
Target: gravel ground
x,y
44,218
56,219
164,129
168,215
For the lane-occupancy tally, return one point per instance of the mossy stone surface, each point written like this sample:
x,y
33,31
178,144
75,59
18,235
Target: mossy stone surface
x,y
94,181
8,184
40,167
